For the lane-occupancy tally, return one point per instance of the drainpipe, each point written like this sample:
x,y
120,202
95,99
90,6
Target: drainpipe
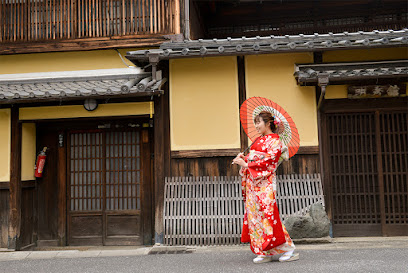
x,y
154,60
322,81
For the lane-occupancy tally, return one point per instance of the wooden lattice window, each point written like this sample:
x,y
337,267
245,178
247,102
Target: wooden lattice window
x,y
34,20
105,171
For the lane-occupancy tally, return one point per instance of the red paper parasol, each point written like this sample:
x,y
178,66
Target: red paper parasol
x,y
286,130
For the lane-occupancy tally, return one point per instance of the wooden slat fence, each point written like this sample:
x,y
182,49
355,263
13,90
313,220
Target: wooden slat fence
x,y
34,20
210,210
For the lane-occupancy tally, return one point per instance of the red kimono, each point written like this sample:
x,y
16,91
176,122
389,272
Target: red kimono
x,y
262,224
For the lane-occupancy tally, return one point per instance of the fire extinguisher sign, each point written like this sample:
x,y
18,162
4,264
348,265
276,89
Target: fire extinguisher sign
x,y
39,166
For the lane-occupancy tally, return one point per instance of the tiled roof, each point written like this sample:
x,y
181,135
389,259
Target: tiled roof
x,y
78,84
273,44
345,72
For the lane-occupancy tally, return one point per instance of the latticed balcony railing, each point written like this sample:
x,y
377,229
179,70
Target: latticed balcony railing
x,y
44,20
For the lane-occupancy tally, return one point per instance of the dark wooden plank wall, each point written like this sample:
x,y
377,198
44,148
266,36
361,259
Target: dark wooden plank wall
x,y
221,166
4,211
48,186
28,211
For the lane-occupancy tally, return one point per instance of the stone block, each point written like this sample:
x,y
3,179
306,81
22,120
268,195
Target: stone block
x,y
315,224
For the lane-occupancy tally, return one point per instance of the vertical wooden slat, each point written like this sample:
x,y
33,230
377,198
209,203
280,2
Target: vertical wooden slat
x,y
380,171
89,18
363,144
356,168
388,162
394,151
18,20
171,221
400,170
158,15
60,19
404,161
150,16
2,23
144,28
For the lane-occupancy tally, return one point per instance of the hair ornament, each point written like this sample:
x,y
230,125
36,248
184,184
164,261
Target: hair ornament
x,y
276,120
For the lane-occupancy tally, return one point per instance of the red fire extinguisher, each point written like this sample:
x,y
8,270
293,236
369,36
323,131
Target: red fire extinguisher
x,y
39,166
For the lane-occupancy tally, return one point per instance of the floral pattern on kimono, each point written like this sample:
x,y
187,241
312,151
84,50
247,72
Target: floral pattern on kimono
x,y
262,224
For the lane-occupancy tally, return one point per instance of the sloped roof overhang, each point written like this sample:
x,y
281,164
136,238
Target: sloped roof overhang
x,y
273,44
346,73
77,85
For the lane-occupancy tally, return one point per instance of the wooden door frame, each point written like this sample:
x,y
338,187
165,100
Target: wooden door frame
x,y
62,128
354,106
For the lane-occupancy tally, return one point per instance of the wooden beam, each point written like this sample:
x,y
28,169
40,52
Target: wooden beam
x,y
204,153
81,44
15,182
365,105
137,96
24,184
308,150
230,152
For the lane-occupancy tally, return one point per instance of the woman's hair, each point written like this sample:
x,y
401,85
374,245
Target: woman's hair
x,y
266,117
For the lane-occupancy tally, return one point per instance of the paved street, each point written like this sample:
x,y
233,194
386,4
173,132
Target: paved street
x,y
372,256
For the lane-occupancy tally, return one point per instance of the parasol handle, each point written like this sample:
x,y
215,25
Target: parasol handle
x,y
248,147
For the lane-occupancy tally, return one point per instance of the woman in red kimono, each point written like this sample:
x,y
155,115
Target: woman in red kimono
x,y
262,224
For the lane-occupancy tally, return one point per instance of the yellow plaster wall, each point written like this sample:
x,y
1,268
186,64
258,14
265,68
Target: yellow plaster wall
x,y
336,92
77,111
271,76
204,103
62,61
5,145
374,54
28,151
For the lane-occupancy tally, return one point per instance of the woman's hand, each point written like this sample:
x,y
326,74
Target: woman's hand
x,y
239,160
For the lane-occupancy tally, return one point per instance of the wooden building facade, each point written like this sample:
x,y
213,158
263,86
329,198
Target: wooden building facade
x,y
346,92
176,112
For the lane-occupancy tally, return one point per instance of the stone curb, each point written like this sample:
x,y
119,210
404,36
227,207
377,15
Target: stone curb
x,y
304,241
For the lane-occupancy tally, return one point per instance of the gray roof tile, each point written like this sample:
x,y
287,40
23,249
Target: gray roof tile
x,y
15,90
343,72
271,44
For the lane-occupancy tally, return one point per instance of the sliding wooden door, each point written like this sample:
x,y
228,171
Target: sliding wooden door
x,y
108,172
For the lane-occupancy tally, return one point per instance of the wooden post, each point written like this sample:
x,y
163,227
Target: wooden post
x,y
242,97
162,159
62,189
15,182
380,172
158,169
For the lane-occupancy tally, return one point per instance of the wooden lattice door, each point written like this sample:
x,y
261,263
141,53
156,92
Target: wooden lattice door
x,y
393,134
368,172
105,187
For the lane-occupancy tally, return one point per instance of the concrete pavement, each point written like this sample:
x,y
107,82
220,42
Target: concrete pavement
x,y
367,254
111,251
376,254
